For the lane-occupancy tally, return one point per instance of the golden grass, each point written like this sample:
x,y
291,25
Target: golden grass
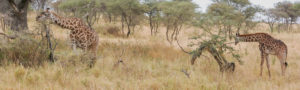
x,y
152,63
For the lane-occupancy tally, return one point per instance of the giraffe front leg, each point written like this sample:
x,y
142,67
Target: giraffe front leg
x,y
74,47
262,63
262,57
268,64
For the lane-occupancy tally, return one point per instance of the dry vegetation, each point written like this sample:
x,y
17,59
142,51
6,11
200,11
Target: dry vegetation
x,y
150,63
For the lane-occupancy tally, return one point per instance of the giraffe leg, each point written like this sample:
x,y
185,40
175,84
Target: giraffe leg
x,y
93,56
268,64
283,63
262,63
74,47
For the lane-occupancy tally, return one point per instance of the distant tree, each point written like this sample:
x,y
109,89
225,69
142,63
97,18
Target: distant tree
x,y
271,19
154,15
130,11
287,12
86,9
232,15
15,12
175,14
284,14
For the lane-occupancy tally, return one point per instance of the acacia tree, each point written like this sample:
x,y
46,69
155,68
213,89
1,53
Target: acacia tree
x,y
130,11
285,12
153,13
175,14
215,44
232,15
15,12
271,19
86,9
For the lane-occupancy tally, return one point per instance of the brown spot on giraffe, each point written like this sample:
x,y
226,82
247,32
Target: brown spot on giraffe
x,y
267,45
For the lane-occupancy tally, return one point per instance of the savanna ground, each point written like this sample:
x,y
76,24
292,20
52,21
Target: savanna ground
x,y
152,63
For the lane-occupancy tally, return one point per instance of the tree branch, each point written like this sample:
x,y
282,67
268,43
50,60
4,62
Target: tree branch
x,y
10,37
13,5
182,47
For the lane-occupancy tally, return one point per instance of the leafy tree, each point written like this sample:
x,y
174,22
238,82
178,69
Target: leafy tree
x,y
230,15
214,43
130,11
285,12
175,14
271,19
153,13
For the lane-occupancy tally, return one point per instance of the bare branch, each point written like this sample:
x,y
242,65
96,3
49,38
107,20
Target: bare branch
x,y
10,37
14,6
185,73
182,47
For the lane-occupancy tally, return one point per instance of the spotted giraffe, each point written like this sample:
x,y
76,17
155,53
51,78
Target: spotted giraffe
x,y
267,45
82,36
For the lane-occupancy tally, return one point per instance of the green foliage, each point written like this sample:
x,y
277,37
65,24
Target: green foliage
x,y
231,15
286,11
217,48
130,11
175,14
219,19
87,9
153,12
80,6
180,10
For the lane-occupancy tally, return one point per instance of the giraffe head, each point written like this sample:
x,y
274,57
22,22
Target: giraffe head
x,y
237,39
45,15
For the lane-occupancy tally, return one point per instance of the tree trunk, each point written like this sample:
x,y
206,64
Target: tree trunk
x,y
15,13
122,20
150,23
167,34
128,33
51,47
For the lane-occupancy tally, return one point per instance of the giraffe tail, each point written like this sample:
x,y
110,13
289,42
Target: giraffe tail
x,y
286,52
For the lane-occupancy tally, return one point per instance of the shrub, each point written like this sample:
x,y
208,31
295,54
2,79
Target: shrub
x,y
24,51
113,30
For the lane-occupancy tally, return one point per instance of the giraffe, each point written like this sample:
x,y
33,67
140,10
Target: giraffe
x,y
267,45
81,35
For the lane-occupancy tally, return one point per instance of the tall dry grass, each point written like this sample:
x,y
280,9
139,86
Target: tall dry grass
x,y
152,63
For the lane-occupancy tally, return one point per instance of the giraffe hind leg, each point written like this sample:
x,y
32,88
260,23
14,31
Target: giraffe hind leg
x,y
283,63
93,55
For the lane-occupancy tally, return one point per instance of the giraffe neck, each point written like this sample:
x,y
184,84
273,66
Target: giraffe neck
x,y
257,37
61,21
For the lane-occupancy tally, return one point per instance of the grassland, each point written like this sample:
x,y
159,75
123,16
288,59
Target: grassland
x,y
152,63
